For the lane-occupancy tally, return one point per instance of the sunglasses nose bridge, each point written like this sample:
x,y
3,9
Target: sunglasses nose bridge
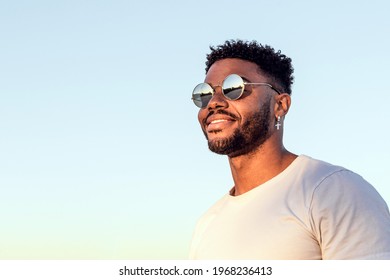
x,y
218,99
218,90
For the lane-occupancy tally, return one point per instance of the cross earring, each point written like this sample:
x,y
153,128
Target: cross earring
x,y
278,124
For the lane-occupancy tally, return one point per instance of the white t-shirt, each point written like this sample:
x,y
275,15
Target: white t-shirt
x,y
312,210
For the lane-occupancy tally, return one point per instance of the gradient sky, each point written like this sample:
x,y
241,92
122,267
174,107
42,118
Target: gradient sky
x,y
101,155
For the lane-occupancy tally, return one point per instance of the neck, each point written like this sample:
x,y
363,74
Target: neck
x,y
250,171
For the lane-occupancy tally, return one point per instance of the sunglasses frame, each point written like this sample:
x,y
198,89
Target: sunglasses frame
x,y
198,101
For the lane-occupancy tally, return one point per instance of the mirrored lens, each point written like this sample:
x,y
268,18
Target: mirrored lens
x,y
233,87
202,94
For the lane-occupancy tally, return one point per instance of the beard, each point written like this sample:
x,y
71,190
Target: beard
x,y
247,138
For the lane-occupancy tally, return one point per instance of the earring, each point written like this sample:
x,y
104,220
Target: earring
x,y
278,124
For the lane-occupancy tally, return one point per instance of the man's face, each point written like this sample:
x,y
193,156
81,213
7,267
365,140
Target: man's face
x,y
241,126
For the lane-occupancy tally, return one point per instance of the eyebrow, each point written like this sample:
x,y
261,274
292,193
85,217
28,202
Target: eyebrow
x,y
245,79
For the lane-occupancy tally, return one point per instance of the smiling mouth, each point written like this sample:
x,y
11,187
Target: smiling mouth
x,y
218,121
217,125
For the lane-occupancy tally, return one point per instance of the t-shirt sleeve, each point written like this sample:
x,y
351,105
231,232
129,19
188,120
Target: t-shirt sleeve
x,y
349,218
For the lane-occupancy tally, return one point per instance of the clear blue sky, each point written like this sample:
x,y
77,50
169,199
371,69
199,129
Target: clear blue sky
x,y
101,155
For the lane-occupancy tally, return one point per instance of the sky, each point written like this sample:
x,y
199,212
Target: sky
x,y
101,154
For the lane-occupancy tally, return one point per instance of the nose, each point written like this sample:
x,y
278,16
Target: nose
x,y
218,100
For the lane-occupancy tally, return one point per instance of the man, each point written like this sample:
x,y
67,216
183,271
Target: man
x,y
282,206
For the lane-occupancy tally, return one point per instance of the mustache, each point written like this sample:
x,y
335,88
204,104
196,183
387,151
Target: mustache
x,y
221,112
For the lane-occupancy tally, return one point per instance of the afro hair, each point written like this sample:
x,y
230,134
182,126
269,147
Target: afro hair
x,y
271,63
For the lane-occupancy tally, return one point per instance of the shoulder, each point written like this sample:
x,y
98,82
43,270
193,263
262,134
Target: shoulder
x,y
322,176
325,181
336,182
318,169
348,216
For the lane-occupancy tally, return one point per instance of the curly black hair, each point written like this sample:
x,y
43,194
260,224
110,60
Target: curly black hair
x,y
273,64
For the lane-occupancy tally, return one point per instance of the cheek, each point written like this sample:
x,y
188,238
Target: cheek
x,y
253,107
201,116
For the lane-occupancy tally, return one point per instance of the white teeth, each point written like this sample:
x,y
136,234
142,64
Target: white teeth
x,y
218,121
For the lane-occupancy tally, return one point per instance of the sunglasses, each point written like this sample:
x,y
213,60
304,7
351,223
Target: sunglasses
x,y
232,88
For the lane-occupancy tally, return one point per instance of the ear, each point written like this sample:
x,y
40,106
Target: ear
x,y
282,104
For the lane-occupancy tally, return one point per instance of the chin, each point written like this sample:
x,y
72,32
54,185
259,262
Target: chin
x,y
216,135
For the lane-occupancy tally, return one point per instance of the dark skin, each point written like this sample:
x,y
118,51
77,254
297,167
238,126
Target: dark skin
x,y
265,161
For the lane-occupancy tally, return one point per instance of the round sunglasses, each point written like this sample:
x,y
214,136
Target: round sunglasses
x,y
232,88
